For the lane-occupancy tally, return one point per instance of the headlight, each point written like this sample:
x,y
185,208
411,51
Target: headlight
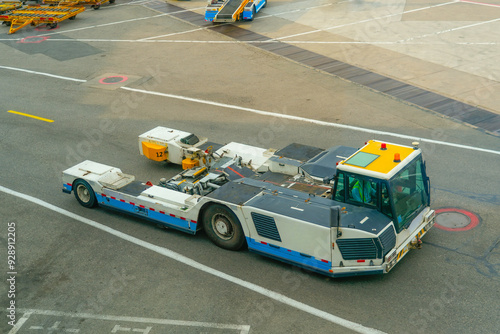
x,y
391,257
429,216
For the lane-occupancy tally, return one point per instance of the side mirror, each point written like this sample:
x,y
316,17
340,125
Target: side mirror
x,y
335,219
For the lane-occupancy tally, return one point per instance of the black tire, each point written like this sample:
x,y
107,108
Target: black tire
x,y
84,193
111,1
265,4
96,7
73,17
223,227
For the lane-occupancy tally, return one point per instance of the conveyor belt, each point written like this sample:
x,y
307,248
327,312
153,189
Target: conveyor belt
x,y
477,117
227,12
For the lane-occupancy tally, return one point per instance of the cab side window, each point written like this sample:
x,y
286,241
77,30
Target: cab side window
x,y
386,202
340,188
362,191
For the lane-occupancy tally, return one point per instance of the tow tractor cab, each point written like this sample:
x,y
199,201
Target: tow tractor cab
x,y
340,211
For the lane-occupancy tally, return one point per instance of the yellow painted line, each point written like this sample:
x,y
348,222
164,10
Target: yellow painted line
x,y
32,116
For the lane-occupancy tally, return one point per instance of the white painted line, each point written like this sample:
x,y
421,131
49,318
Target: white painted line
x,y
449,30
171,34
20,323
364,21
104,24
41,73
152,40
242,328
260,17
196,265
480,3
312,121
364,220
118,22
278,115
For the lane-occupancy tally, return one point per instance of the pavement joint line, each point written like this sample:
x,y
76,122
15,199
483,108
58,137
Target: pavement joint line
x,y
272,114
365,21
199,266
244,329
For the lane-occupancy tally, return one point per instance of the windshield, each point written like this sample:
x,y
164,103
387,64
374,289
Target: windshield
x,y
409,193
190,140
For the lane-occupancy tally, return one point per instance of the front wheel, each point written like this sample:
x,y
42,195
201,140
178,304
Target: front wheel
x,y
223,227
84,193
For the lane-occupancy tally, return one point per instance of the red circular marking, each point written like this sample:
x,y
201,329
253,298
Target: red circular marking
x,y
102,81
474,220
38,39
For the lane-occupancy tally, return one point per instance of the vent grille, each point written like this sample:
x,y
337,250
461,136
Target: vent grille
x,y
266,226
388,240
357,249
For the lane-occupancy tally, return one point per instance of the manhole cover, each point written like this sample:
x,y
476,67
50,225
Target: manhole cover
x,y
113,79
452,219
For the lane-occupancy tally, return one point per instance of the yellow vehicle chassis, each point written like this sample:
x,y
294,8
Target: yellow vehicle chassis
x,y
6,6
96,4
37,15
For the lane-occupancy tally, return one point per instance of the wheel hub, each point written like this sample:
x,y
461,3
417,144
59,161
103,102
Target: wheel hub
x,y
222,227
83,193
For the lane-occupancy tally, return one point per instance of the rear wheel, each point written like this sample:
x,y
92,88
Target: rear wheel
x,y
84,193
223,227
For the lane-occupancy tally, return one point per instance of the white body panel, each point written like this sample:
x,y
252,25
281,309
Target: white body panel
x,y
170,138
255,156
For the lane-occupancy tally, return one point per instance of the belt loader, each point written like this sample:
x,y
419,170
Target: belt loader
x,y
233,10
340,211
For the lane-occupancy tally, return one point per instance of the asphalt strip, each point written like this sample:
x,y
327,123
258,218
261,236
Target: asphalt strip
x,y
268,113
189,262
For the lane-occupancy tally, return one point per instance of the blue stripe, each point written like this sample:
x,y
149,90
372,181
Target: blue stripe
x,y
291,256
259,6
210,15
303,260
67,188
157,217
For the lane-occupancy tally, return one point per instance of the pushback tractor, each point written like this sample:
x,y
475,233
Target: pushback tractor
x,y
339,211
